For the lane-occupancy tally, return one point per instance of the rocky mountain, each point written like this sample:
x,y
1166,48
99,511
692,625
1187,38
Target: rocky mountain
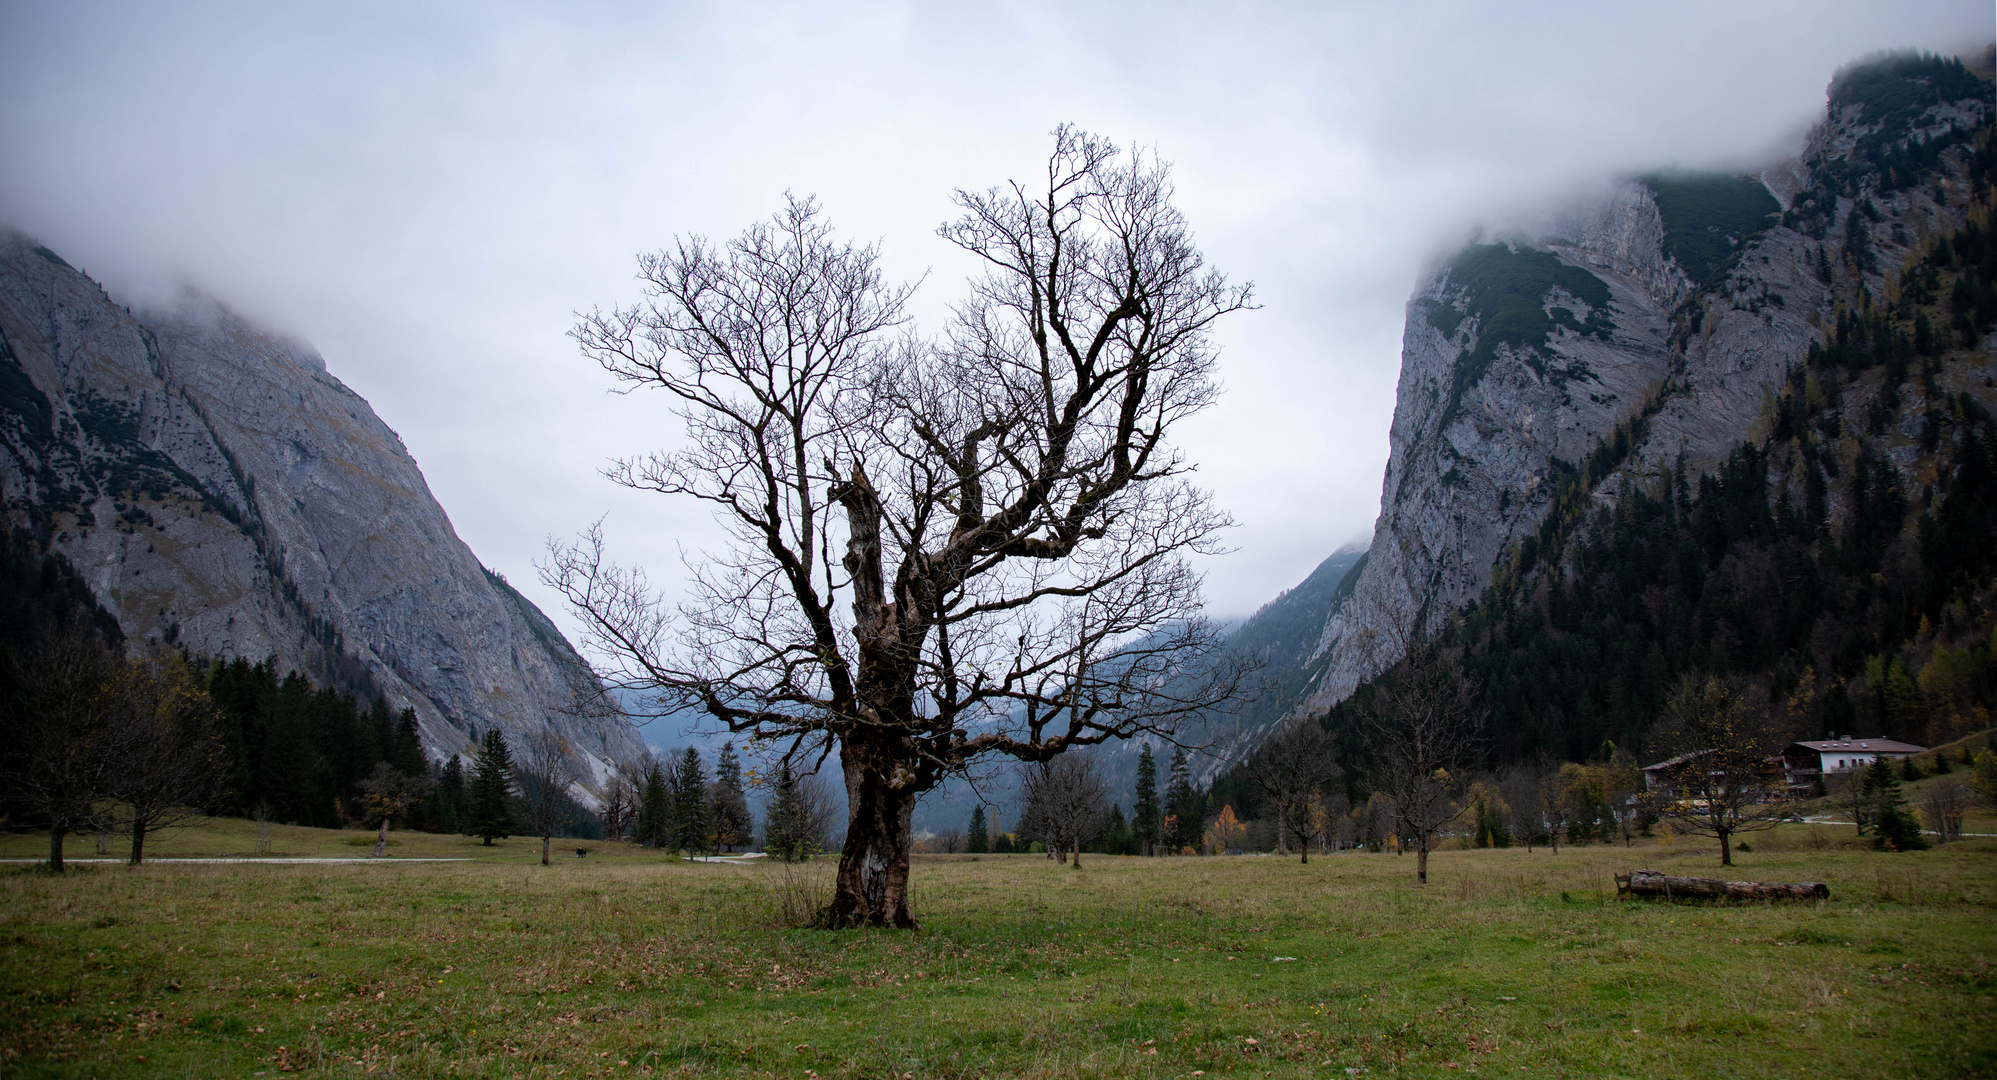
x,y
1644,334
215,487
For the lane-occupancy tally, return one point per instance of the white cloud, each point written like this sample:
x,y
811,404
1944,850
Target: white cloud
x,y
427,193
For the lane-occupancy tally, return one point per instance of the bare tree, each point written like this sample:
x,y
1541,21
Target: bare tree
x,y
623,798
1847,791
1331,818
1067,803
547,770
58,755
1622,787
1296,762
168,758
1943,806
1375,821
820,812
1524,789
389,793
1556,804
1722,777
1421,723
1014,519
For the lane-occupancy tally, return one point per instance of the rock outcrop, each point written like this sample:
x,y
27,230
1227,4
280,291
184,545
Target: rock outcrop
x,y
219,489
1684,300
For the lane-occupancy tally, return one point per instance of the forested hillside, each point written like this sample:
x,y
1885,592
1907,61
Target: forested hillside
x,y
1843,559
1839,559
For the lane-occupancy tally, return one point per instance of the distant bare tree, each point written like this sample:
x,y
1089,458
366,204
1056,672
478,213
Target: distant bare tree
x,y
168,758
1943,806
1067,803
1015,520
819,810
1556,803
1846,791
1721,778
623,795
1294,763
389,793
1421,723
58,753
1331,819
1374,822
547,769
1622,786
1524,788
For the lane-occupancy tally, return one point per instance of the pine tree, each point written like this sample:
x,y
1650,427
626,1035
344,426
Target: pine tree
x,y
979,841
408,753
1146,818
1184,804
1118,839
492,791
655,810
691,814
784,826
380,728
444,809
732,822
1892,824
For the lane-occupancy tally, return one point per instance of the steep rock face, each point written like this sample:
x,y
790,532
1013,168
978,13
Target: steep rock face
x,y
218,488
1683,299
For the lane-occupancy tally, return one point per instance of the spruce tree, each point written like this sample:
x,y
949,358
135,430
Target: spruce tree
x,y
979,842
1183,803
784,826
655,810
408,753
1892,824
1118,839
380,726
1145,815
492,791
691,814
443,807
733,823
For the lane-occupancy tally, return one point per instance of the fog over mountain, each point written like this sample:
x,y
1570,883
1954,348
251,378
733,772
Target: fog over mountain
x,y
427,195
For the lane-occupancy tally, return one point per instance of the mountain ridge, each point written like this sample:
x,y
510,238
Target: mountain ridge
x,y
1508,378
219,489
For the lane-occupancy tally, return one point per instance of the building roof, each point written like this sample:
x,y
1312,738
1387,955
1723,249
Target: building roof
x,y
1862,746
1681,759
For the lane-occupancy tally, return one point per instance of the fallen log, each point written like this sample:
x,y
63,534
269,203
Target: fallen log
x,y
1652,883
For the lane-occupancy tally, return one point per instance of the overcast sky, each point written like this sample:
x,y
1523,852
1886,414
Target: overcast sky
x,y
427,192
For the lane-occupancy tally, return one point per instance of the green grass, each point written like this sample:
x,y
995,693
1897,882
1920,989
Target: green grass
x,y
626,963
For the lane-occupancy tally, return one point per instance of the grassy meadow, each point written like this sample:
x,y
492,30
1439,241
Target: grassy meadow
x,y
625,963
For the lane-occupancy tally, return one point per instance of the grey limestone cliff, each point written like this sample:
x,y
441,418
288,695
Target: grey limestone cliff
x,y
218,488
1681,299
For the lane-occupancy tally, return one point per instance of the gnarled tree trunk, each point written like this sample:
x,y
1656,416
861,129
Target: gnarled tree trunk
x,y
872,886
